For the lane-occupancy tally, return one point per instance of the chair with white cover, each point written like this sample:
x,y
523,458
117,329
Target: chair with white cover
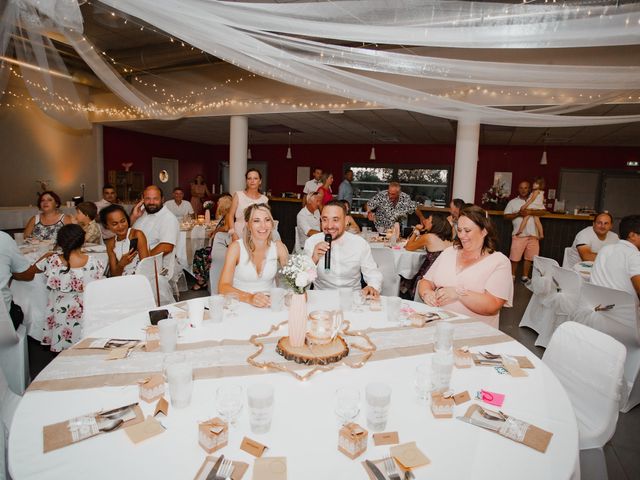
x,y
8,404
542,286
590,365
570,258
617,316
218,253
14,353
112,299
560,302
387,265
162,291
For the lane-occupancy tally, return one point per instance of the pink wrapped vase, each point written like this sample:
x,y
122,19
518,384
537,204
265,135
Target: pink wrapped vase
x,y
298,319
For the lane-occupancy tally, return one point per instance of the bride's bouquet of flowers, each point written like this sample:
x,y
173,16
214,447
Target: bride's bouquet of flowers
x,y
299,273
208,205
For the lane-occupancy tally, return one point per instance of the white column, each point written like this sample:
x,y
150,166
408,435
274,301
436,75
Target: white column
x,y
238,140
99,146
466,164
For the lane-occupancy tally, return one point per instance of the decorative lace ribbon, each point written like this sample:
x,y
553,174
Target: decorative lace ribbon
x,y
82,427
514,429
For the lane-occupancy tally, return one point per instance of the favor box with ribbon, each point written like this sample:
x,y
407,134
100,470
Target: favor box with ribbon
x,y
213,434
151,388
152,338
441,406
352,440
462,358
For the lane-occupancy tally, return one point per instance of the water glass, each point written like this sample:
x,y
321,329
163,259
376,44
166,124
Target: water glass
x,y
444,336
216,307
422,382
260,399
378,397
358,301
196,312
347,404
229,402
231,302
168,332
277,299
441,370
346,299
393,309
180,378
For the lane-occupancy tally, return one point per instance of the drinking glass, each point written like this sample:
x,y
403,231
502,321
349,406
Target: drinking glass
x,y
358,301
229,402
347,404
444,336
260,399
196,312
378,396
393,309
216,306
168,332
441,370
423,381
277,299
346,299
180,378
231,302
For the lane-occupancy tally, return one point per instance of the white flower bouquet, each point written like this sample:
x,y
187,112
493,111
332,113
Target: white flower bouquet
x,y
299,273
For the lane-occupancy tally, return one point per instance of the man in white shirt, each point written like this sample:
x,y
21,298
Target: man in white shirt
x,y
109,197
590,240
314,184
178,206
159,225
618,265
12,262
526,244
308,220
350,255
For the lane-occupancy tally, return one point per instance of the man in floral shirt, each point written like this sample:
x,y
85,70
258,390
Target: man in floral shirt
x,y
389,206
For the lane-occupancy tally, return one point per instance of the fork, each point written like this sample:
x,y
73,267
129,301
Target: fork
x,y
225,470
390,467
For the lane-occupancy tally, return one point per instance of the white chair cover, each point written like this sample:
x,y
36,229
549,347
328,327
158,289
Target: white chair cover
x,y
590,365
109,300
387,266
218,253
561,301
8,404
146,269
571,257
622,322
542,286
14,354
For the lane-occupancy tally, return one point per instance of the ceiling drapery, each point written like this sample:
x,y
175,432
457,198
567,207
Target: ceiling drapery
x,y
310,45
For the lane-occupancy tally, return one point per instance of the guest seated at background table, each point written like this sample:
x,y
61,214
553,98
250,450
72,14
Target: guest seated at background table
x,y
202,256
159,225
325,189
351,225
178,206
590,240
618,265
109,197
251,264
433,235
241,200
385,208
123,259
350,255
455,206
86,217
67,275
471,277
47,224
308,220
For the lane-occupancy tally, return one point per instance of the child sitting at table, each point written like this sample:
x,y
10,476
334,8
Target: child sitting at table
x,y
67,273
86,213
534,202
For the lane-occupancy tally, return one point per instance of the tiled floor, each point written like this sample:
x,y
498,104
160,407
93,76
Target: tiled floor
x,y
622,452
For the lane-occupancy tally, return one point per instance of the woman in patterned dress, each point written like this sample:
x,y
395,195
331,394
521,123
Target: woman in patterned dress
x,y
46,224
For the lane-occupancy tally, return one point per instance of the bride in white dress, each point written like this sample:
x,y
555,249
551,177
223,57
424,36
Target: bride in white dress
x,y
251,263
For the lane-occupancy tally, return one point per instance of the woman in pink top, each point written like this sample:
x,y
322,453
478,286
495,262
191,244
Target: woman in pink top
x,y
470,277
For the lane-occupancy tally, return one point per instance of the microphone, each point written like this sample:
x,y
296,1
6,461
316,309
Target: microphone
x,y
327,256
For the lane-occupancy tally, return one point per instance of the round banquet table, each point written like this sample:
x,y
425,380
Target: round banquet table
x,y
304,427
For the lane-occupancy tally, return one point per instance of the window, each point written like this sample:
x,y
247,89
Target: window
x,y
430,184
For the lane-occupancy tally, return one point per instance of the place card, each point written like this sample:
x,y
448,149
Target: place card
x,y
386,438
461,397
511,366
239,469
252,447
161,407
409,456
145,430
270,468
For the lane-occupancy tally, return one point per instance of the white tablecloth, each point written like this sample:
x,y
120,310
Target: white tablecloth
x,y
304,428
16,218
407,263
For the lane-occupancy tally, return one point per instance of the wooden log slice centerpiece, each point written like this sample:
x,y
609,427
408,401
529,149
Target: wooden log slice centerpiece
x,y
331,352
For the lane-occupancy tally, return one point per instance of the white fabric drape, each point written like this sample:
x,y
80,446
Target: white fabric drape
x,y
262,38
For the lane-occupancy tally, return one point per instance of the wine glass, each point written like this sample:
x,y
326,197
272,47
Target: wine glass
x,y
422,381
229,400
231,302
347,404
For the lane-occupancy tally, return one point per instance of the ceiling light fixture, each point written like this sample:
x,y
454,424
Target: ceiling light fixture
x,y
372,155
289,156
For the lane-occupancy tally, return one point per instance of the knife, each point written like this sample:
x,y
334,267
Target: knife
x,y
214,471
375,470
477,424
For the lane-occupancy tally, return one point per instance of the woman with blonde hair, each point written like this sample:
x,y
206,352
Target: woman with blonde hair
x,y
251,264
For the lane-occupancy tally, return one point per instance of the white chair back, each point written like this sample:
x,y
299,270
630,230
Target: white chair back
x,y
14,353
386,264
218,253
589,364
109,300
162,291
542,286
570,258
8,404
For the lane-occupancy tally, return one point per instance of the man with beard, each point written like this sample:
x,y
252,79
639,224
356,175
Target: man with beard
x,y
350,254
159,225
